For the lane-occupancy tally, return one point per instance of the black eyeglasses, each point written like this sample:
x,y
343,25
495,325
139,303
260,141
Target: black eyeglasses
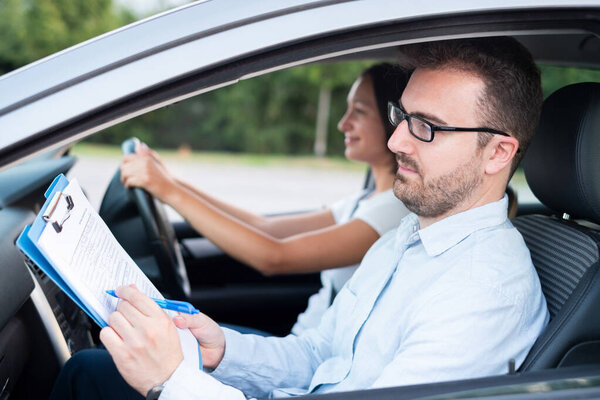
x,y
424,130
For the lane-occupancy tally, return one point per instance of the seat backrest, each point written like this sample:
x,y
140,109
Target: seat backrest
x,y
562,170
562,253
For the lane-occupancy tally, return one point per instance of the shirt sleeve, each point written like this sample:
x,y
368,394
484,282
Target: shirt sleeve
x,y
192,384
382,211
342,209
258,365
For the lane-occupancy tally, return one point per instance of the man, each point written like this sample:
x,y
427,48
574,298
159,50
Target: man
x,y
451,294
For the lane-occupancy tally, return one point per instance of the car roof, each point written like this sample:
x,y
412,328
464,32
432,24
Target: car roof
x,y
87,87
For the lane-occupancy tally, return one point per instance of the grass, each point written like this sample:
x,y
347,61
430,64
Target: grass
x,y
275,160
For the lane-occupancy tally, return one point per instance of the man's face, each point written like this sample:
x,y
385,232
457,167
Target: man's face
x,y
441,177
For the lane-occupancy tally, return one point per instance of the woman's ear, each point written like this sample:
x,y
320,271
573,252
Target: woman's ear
x,y
500,152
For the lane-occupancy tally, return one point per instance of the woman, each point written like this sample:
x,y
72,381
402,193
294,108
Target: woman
x,y
333,240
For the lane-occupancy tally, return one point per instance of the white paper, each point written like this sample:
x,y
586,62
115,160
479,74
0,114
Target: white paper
x,y
91,261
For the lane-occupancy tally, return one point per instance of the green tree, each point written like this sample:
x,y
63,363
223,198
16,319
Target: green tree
x,y
554,77
273,113
13,31
32,29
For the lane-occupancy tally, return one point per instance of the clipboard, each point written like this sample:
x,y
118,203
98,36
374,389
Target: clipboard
x,y
27,242
37,245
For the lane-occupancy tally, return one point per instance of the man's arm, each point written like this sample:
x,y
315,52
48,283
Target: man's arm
x,y
258,365
144,344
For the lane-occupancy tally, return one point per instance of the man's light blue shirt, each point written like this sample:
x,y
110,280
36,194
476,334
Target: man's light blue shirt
x,y
457,299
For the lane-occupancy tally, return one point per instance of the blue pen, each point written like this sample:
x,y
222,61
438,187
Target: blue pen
x,y
173,305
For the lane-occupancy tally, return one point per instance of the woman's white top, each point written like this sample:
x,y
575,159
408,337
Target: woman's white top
x,y
383,212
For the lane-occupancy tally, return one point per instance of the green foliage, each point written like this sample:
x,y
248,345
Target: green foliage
x,y
554,78
13,31
273,113
32,29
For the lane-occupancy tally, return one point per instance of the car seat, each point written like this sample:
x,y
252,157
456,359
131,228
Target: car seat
x,y
562,170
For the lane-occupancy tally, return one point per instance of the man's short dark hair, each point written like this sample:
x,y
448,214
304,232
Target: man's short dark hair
x,y
512,100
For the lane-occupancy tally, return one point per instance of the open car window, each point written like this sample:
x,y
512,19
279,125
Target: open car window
x,y
252,143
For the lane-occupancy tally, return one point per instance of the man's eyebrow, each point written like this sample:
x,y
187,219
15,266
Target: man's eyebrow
x,y
428,117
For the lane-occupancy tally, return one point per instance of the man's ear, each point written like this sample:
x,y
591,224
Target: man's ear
x,y
499,153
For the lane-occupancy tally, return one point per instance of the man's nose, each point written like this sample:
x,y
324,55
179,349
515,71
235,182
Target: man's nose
x,y
401,140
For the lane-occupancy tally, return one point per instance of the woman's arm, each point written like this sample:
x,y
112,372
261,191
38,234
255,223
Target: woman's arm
x,y
276,226
334,246
330,247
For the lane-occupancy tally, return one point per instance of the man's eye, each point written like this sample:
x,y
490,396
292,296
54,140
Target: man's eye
x,y
359,111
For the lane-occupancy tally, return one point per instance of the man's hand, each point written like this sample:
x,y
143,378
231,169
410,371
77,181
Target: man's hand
x,y
209,334
142,340
146,170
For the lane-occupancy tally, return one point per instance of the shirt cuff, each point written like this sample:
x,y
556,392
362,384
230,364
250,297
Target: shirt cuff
x,y
234,348
190,383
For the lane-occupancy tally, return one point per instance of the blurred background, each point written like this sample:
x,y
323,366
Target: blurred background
x,y
275,113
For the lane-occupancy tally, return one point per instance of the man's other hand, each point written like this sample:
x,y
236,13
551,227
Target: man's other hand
x,y
209,334
142,340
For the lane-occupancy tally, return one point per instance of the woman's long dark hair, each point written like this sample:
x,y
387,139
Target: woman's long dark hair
x,y
389,81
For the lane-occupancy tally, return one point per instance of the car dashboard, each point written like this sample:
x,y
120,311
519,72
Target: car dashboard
x,y
40,327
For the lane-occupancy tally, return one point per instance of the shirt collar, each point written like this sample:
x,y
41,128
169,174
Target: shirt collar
x,y
405,234
444,234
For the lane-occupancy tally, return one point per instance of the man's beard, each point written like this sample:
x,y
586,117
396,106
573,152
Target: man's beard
x,y
440,195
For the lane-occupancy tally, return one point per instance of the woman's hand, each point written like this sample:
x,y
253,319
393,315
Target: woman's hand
x,y
146,170
209,334
142,148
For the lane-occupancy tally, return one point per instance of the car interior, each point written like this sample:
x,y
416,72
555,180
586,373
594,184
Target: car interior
x,y
40,327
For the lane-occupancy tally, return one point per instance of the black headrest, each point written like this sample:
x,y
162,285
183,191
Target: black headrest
x,y
562,163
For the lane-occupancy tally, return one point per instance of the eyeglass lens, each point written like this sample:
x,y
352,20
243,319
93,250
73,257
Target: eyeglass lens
x,y
417,127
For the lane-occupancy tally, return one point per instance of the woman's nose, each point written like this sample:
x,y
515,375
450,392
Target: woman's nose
x,y
344,124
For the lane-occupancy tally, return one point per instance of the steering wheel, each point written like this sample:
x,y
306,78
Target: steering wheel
x,y
122,210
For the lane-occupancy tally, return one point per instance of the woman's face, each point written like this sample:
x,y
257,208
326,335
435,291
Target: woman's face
x,y
364,134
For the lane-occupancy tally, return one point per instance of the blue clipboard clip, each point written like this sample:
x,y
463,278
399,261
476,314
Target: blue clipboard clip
x,y
58,223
